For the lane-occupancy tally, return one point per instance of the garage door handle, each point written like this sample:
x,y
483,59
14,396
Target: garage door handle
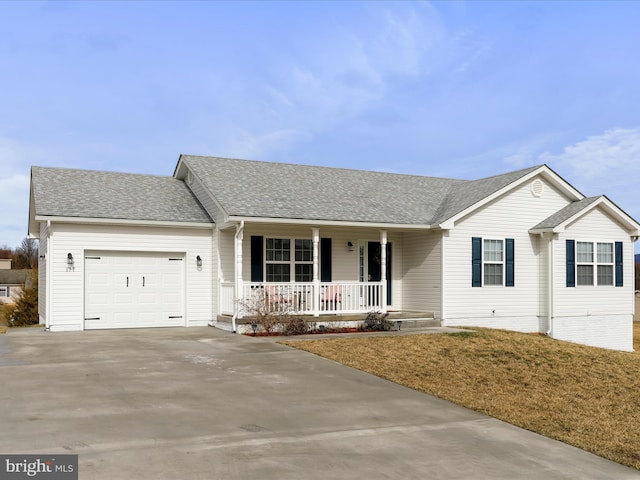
x,y
127,282
143,281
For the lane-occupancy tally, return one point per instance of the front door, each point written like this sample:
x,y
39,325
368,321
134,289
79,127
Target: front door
x,y
373,272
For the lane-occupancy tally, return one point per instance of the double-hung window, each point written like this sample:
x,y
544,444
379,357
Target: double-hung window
x,y
594,263
492,262
584,263
4,291
285,256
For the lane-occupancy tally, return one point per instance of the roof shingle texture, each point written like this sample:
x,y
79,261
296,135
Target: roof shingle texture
x,y
14,277
565,213
248,188
111,195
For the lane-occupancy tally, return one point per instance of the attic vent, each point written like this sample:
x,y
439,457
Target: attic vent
x,y
189,178
537,187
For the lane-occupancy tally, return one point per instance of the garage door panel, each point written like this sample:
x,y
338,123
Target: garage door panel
x,y
133,289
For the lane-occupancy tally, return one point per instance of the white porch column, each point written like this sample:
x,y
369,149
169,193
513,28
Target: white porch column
x,y
239,287
383,268
316,269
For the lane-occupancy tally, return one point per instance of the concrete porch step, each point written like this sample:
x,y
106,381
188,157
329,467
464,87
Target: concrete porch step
x,y
408,323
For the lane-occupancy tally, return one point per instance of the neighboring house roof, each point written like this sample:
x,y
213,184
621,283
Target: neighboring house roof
x,y
14,277
60,192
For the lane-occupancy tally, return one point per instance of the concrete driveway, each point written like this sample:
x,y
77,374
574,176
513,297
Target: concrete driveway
x,y
201,403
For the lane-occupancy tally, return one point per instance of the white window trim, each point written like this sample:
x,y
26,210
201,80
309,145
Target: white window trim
x,y
491,262
595,264
292,258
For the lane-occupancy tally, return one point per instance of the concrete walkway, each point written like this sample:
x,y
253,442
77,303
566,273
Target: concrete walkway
x,y
201,403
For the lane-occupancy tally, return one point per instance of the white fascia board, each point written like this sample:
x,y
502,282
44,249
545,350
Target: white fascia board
x,y
232,220
119,221
549,174
632,226
179,171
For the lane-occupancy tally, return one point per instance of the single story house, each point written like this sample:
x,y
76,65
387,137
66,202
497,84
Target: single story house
x,y
524,251
12,283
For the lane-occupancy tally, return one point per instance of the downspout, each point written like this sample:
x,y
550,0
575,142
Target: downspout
x,y
238,271
550,299
215,253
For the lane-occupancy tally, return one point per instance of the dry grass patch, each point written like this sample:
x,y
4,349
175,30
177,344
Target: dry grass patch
x,y
587,397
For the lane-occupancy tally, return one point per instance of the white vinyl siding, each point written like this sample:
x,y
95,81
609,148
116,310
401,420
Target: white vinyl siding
x,y
67,295
599,314
511,216
421,272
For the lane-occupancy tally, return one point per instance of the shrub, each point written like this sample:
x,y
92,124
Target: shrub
x,y
26,306
378,321
294,326
6,312
263,313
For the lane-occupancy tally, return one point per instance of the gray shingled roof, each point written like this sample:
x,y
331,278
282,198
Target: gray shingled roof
x,y
461,197
565,213
93,194
14,277
278,190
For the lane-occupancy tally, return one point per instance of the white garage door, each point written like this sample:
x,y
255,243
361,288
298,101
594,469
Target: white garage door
x,y
133,289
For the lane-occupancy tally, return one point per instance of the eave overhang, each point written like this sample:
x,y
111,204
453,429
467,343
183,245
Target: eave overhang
x,y
122,221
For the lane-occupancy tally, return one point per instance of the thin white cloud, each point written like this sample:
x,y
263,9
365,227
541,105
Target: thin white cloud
x,y
349,73
601,162
262,147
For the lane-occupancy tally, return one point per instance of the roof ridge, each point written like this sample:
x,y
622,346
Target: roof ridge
x,y
112,172
302,165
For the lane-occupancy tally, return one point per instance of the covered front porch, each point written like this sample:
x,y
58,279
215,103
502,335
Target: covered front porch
x,y
321,271
317,298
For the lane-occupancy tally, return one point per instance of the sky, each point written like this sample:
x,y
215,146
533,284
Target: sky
x,y
450,89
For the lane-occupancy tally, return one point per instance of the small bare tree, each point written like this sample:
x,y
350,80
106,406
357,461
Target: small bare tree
x,y
263,311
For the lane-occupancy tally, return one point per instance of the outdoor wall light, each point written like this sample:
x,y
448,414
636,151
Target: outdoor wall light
x,y
350,246
69,262
198,261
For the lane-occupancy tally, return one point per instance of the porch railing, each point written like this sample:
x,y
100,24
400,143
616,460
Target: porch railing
x,y
227,298
304,298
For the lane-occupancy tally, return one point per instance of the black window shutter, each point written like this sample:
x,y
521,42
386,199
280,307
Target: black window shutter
x,y
257,258
571,263
476,262
509,264
619,269
325,259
